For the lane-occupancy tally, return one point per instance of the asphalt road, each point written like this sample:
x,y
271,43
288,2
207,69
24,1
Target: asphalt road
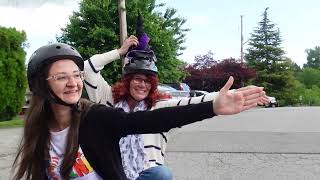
x,y
263,143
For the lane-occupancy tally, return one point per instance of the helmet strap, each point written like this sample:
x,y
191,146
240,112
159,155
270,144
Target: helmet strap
x,y
53,98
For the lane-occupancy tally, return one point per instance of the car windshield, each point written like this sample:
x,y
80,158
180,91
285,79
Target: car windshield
x,y
163,87
185,87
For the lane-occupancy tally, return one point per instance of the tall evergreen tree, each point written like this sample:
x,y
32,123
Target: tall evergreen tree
x,y
95,29
266,56
265,52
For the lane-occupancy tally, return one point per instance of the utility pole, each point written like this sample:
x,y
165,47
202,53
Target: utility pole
x,y
241,51
123,23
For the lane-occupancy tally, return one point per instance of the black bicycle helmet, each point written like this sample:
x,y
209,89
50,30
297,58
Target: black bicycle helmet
x,y
41,59
140,62
141,59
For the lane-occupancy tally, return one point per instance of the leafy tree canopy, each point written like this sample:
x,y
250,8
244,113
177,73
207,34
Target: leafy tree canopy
x,y
12,72
95,29
265,54
211,75
309,77
313,58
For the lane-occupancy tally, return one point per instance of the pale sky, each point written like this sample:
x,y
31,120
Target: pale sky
x,y
214,24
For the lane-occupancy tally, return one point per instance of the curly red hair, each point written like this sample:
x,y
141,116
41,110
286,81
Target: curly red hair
x,y
121,90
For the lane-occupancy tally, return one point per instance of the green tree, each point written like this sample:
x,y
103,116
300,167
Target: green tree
x,y
12,72
313,58
95,29
211,75
309,77
311,96
265,55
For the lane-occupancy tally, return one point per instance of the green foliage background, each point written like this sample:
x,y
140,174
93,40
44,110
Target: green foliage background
x,y
274,71
13,81
95,29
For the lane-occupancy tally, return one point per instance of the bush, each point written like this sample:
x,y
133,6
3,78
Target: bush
x,y
13,81
311,96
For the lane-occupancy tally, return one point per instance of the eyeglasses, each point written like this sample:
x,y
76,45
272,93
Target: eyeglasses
x,y
139,80
63,78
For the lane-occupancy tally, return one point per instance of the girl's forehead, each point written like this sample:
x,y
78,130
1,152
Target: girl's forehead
x,y
63,66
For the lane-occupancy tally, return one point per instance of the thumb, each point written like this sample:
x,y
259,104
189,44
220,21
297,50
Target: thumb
x,y
228,85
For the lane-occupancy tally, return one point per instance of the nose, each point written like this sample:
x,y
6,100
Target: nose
x,y
71,81
143,83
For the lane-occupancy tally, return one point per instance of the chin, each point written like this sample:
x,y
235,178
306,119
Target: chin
x,y
72,100
140,98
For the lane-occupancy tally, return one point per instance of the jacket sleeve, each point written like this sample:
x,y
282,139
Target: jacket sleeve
x,y
186,100
99,91
182,102
120,123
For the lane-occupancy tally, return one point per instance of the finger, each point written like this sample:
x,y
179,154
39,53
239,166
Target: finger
x,y
255,95
251,91
134,43
246,88
133,37
228,85
255,98
249,106
251,101
130,42
261,103
265,100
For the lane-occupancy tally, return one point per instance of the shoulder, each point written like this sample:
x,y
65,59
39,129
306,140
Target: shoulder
x,y
102,112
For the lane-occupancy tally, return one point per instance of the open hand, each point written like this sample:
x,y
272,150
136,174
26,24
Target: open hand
x,y
264,100
130,41
233,102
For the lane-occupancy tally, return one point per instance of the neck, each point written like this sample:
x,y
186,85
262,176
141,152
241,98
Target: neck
x,y
62,117
132,103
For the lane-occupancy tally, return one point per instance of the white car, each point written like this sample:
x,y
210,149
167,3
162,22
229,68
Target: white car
x,y
272,102
174,93
195,93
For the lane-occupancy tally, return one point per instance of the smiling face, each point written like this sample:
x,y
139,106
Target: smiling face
x,y
140,87
65,80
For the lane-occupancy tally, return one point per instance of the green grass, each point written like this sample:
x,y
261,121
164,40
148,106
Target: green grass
x,y
15,122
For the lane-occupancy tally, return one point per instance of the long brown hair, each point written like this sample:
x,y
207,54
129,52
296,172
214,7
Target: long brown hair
x,y
33,153
32,158
121,90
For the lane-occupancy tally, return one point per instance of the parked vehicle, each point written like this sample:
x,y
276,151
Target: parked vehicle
x,y
172,92
195,93
272,102
26,104
180,86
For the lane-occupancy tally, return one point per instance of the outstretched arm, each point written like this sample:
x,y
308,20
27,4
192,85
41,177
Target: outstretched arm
x,y
162,120
205,98
228,102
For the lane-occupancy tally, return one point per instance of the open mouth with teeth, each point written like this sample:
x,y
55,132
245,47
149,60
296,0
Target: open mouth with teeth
x,y
71,92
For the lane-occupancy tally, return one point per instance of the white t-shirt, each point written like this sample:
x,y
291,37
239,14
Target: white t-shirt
x,y
81,170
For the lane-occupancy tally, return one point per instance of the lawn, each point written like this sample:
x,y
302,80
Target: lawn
x,y
15,122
